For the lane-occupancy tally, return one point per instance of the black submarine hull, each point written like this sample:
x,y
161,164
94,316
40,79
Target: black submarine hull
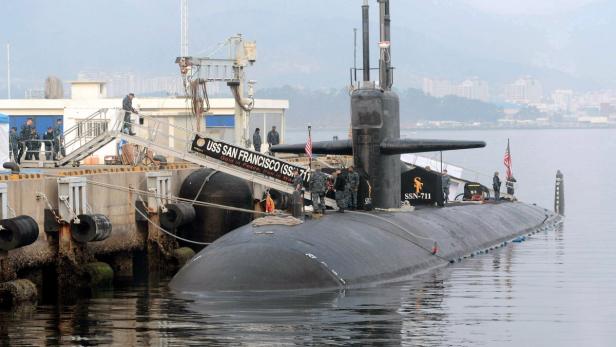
x,y
353,249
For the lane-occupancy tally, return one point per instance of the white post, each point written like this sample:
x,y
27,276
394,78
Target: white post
x,y
4,208
8,69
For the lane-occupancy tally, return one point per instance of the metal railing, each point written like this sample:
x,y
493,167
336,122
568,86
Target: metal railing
x,y
97,124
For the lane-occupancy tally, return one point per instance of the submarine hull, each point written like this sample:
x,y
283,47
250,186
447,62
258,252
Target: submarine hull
x,y
352,249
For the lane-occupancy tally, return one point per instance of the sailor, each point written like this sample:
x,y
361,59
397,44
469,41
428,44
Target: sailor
x,y
24,138
256,140
127,106
33,145
298,181
58,139
273,138
353,177
270,206
509,183
445,183
496,185
318,185
48,138
340,185
14,144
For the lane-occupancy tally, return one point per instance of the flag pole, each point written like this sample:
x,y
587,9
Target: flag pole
x,y
310,139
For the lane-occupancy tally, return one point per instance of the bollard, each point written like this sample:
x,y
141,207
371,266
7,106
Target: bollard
x,y
559,194
297,205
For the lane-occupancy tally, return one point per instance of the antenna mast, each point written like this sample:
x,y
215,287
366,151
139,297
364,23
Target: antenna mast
x,y
183,28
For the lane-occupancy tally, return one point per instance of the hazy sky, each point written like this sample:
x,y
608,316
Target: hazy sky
x,y
309,43
525,7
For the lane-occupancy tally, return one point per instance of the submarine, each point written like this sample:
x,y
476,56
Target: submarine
x,y
380,242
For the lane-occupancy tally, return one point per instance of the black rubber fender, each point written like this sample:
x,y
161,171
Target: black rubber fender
x,y
18,232
177,214
91,227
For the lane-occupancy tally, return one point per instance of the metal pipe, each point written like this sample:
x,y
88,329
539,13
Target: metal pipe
x,y
366,39
384,44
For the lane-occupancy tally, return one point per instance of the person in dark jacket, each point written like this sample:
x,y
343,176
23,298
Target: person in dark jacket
x,y
49,140
273,138
127,106
256,140
14,144
25,135
496,185
340,186
33,145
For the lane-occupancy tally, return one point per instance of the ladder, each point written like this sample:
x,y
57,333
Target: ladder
x,y
159,136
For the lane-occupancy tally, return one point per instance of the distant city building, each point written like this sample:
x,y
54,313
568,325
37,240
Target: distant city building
x,y
475,89
437,88
563,99
525,90
472,88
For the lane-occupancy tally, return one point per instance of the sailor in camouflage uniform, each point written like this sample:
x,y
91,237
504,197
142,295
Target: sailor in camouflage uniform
x,y
353,181
318,186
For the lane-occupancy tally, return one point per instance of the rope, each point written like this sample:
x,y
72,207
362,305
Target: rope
x,y
406,231
168,232
276,220
172,198
206,180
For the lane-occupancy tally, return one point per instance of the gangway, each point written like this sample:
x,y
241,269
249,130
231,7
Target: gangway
x,y
162,137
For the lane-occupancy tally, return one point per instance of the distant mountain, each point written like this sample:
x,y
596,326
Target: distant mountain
x,y
310,43
331,107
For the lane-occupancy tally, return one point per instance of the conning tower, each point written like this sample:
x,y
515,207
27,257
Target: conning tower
x,y
375,121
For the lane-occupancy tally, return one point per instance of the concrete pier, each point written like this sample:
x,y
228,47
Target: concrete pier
x,y
78,264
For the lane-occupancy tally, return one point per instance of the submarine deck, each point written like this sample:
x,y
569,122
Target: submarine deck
x,y
353,248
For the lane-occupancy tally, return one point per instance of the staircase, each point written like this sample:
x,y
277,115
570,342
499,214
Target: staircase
x,y
88,136
162,137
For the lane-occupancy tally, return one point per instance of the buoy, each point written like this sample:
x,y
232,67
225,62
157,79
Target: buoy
x,y
91,227
18,232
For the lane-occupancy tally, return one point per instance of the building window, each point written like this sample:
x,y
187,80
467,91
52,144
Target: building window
x,y
91,128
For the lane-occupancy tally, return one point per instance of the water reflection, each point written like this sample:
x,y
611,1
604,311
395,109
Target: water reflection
x,y
483,300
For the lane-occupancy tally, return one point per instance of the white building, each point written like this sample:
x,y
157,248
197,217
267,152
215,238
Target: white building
x,y
87,97
472,88
563,99
437,88
525,90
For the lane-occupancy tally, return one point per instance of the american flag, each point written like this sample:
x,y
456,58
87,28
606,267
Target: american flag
x,y
308,147
507,161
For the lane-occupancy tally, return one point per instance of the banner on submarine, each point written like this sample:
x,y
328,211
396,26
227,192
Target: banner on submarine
x,y
247,159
